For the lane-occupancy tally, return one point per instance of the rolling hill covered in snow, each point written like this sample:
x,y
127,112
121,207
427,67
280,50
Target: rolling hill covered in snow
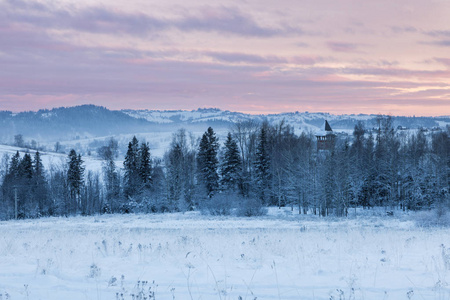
x,y
86,127
94,121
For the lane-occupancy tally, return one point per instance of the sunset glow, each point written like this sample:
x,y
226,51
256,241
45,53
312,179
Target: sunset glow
x,y
388,57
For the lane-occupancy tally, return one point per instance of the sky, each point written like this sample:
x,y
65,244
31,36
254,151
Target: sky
x,y
254,56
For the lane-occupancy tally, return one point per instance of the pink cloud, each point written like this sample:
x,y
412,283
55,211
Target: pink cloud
x,y
444,61
342,47
230,57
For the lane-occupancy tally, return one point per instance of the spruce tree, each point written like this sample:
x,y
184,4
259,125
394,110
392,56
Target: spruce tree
x,y
208,162
75,176
26,167
145,165
11,182
262,166
131,168
26,206
14,165
231,167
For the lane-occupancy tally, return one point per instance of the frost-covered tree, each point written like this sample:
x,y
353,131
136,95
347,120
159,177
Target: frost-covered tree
x,y
18,140
441,156
75,180
231,166
262,166
110,177
181,170
145,166
40,185
208,163
131,169
138,172
246,134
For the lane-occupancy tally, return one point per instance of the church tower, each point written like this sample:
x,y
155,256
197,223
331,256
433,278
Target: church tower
x,y
325,138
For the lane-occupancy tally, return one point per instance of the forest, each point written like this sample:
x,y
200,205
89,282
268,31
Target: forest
x,y
258,165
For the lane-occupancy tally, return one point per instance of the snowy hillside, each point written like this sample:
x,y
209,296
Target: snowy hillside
x,y
87,127
181,116
300,121
89,121
51,159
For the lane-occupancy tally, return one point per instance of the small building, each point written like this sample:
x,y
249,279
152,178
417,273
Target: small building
x,y
325,138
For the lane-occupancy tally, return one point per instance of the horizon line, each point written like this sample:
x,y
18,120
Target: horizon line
x,y
248,112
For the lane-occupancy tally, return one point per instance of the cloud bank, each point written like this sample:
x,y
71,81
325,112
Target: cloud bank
x,y
254,56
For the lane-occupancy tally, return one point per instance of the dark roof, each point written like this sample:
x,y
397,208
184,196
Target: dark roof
x,y
327,126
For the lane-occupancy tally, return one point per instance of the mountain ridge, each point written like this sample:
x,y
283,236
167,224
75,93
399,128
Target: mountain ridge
x,y
89,121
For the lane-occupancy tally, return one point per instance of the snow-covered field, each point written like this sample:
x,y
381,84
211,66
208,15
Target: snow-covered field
x,y
51,159
191,256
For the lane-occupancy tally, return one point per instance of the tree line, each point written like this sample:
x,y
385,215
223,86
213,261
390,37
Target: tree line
x,y
257,165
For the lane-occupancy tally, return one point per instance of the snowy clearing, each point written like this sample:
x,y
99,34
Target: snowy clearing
x,y
191,256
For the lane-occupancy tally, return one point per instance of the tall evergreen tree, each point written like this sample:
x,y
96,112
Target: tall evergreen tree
x,y
145,165
131,168
262,166
441,154
26,204
75,180
208,162
14,166
231,167
26,167
11,185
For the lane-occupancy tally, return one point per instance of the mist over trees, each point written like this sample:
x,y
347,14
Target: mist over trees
x,y
257,165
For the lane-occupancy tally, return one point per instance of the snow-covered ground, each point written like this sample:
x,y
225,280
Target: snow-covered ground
x,y
191,256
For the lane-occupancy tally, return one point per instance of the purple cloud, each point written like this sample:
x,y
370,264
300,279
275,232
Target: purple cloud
x,y
444,61
102,20
443,43
439,33
342,47
403,29
47,59
236,57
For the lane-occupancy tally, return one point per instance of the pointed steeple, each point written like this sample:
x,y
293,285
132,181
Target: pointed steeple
x,y
327,126
325,138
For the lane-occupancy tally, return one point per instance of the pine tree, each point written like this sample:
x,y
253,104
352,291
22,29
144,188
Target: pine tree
x,y
75,176
26,167
440,145
262,166
131,168
14,165
40,186
231,167
208,162
145,165
11,182
26,205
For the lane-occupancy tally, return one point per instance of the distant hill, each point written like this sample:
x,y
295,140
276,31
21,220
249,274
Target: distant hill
x,y
299,120
90,121
68,123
